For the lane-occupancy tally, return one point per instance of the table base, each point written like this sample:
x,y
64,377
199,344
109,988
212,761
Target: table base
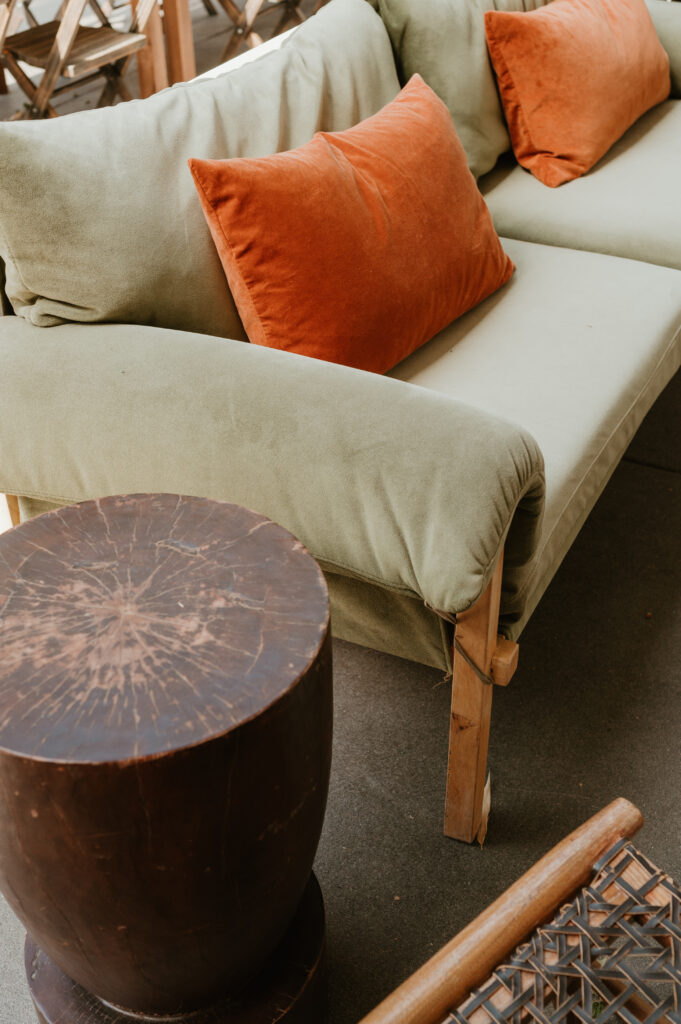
x,y
291,988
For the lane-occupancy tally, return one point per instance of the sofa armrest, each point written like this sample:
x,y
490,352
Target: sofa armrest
x,y
382,480
667,21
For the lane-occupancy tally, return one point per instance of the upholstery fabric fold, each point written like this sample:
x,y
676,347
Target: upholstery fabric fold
x,y
389,483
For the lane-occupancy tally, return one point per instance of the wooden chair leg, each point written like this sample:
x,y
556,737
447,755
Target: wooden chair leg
x,y
13,506
63,41
475,646
8,13
291,16
28,87
244,30
179,41
152,68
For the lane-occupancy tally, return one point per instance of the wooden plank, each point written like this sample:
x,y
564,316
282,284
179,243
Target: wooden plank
x,y
91,48
13,506
504,661
66,33
157,47
26,84
6,12
447,978
476,635
152,67
179,40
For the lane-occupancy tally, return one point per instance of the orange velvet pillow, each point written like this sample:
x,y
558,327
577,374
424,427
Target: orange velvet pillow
x,y
573,76
360,245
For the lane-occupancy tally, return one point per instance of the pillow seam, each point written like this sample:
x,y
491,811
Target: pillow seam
x,y
236,266
505,77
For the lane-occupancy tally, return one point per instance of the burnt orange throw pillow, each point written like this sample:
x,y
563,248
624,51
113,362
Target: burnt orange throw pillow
x,y
573,76
360,245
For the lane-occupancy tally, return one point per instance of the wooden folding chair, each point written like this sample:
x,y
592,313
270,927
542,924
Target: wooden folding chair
x,y
244,20
66,49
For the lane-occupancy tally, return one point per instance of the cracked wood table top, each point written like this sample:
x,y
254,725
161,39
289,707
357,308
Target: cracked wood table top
x,y
139,624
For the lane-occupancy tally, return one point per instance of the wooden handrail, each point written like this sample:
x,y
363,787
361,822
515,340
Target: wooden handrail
x,y
447,978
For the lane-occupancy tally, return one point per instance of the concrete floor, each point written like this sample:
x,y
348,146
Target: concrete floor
x,y
593,712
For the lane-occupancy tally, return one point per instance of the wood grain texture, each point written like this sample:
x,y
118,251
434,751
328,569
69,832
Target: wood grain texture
x,y
290,989
179,41
165,742
13,506
471,712
447,978
130,626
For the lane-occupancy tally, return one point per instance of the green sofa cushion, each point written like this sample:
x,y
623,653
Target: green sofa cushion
x,y
99,218
575,350
629,204
444,41
392,484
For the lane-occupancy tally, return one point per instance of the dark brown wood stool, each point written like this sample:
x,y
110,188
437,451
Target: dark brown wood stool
x,y
165,744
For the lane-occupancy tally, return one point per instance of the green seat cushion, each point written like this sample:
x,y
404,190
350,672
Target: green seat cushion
x,y
629,204
575,350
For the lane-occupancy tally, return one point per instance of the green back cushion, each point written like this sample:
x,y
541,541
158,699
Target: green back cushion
x,y
99,218
444,40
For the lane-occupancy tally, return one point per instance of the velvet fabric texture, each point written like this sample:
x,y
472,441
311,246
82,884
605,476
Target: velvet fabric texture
x,y
360,245
573,76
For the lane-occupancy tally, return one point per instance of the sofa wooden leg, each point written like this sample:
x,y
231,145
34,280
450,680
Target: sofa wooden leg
x,y
13,506
480,658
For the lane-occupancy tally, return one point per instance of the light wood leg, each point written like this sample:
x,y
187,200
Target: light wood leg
x,y
152,69
179,40
13,506
476,633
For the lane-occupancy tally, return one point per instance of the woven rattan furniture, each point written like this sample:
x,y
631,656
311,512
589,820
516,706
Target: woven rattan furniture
x,y
612,953
165,744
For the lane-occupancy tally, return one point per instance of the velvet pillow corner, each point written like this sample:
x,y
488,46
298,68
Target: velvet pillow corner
x,y
573,76
360,245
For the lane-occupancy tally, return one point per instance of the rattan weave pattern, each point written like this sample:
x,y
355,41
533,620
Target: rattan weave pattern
x,y
612,954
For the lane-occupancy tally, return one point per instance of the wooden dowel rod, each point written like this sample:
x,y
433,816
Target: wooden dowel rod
x,y
444,981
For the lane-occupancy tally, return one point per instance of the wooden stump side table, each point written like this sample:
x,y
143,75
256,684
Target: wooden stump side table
x,y
165,744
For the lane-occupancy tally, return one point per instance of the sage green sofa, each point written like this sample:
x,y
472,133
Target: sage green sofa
x,y
124,366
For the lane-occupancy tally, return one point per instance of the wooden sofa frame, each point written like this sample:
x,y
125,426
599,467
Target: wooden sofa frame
x,y
481,659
